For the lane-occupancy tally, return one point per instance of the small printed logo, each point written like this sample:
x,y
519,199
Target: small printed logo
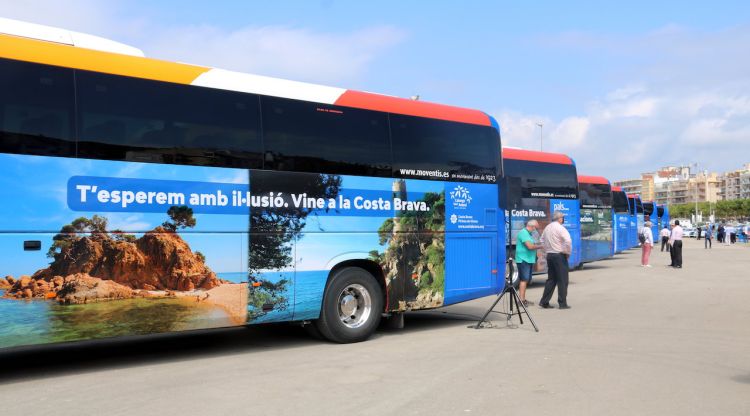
x,y
559,206
461,197
454,219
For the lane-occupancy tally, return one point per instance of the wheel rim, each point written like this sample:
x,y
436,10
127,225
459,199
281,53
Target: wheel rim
x,y
511,272
354,305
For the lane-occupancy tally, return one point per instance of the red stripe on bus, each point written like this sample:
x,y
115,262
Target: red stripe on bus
x,y
600,180
377,102
617,188
534,156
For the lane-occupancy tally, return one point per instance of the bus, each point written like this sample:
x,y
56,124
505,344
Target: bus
x,y
650,213
663,213
595,194
537,184
145,196
621,219
636,219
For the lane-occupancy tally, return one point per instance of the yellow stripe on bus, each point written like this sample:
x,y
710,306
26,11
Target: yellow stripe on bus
x,y
49,53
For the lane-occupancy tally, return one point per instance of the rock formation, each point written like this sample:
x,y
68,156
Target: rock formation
x,y
100,267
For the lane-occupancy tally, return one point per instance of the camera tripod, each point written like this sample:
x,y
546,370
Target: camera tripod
x,y
513,298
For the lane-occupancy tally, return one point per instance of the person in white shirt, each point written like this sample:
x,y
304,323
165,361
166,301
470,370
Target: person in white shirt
x,y
648,243
664,238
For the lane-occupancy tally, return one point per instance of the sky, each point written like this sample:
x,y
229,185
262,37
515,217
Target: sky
x,y
622,88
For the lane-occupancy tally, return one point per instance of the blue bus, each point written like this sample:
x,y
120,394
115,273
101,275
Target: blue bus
x,y
639,218
151,196
621,219
633,224
650,213
537,184
663,213
595,194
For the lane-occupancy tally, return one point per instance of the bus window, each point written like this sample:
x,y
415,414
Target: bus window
x,y
140,120
620,202
36,109
311,137
444,150
543,180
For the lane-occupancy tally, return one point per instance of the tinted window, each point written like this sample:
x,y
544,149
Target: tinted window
x,y
631,205
541,180
444,150
36,109
594,195
648,208
124,118
660,211
310,137
639,206
620,202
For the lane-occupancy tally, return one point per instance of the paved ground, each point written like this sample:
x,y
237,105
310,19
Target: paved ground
x,y
636,342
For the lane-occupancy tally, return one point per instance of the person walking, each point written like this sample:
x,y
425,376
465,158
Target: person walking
x,y
526,249
720,234
664,234
700,228
558,245
648,243
709,236
727,235
675,240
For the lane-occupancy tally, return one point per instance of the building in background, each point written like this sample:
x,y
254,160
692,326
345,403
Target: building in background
x,y
736,184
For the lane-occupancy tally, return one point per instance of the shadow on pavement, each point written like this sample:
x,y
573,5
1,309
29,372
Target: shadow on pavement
x,y
28,363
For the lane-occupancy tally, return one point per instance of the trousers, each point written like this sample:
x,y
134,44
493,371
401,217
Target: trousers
x,y
677,253
664,242
557,276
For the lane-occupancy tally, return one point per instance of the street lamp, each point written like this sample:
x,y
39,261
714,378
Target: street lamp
x,y
696,194
541,129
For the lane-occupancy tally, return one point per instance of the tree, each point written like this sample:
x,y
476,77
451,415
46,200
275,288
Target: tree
x,y
273,229
182,217
120,235
70,233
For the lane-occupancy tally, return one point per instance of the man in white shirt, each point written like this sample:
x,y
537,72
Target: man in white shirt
x,y
558,245
664,234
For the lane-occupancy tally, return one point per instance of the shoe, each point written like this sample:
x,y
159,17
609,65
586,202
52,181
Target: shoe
x,y
527,303
566,306
546,306
648,265
677,267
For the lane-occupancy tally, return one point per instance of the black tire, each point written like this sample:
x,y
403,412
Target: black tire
x,y
345,316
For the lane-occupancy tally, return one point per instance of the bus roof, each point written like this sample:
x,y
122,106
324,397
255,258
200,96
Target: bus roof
x,y
636,196
24,48
599,180
617,188
535,156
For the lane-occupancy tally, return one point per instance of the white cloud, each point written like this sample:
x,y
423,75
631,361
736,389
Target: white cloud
x,y
299,53
127,222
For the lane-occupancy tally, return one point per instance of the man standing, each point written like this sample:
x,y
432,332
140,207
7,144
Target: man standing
x,y
526,249
665,238
709,236
675,240
558,245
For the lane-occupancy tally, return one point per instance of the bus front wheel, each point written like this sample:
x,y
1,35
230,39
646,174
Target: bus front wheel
x,y
352,305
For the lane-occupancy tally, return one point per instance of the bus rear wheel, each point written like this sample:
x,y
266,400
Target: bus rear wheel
x,y
352,305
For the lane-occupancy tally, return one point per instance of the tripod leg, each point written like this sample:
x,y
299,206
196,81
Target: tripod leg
x,y
500,296
526,311
517,300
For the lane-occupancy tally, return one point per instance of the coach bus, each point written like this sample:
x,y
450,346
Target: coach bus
x,y
537,184
650,213
595,195
620,219
145,196
663,213
636,219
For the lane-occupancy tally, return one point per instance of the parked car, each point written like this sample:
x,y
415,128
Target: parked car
x,y
690,232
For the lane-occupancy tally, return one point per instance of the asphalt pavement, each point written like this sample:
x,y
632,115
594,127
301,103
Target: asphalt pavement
x,y
637,341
